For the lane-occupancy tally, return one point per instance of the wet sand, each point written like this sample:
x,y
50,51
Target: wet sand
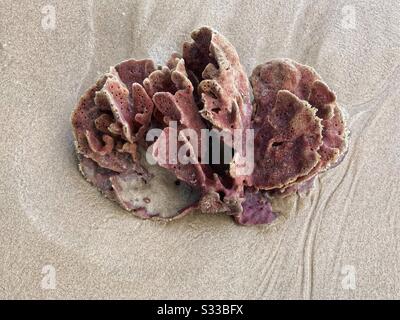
x,y
56,231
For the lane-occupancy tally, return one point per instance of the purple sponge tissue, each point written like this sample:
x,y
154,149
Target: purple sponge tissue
x,y
198,136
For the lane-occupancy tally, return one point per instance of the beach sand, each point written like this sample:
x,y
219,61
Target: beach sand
x,y
59,238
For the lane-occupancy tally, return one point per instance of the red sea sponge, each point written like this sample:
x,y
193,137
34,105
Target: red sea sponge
x,y
110,122
173,96
299,131
224,86
286,143
284,74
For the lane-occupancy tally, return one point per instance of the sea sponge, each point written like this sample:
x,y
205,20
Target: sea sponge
x,y
299,131
273,76
224,86
286,143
